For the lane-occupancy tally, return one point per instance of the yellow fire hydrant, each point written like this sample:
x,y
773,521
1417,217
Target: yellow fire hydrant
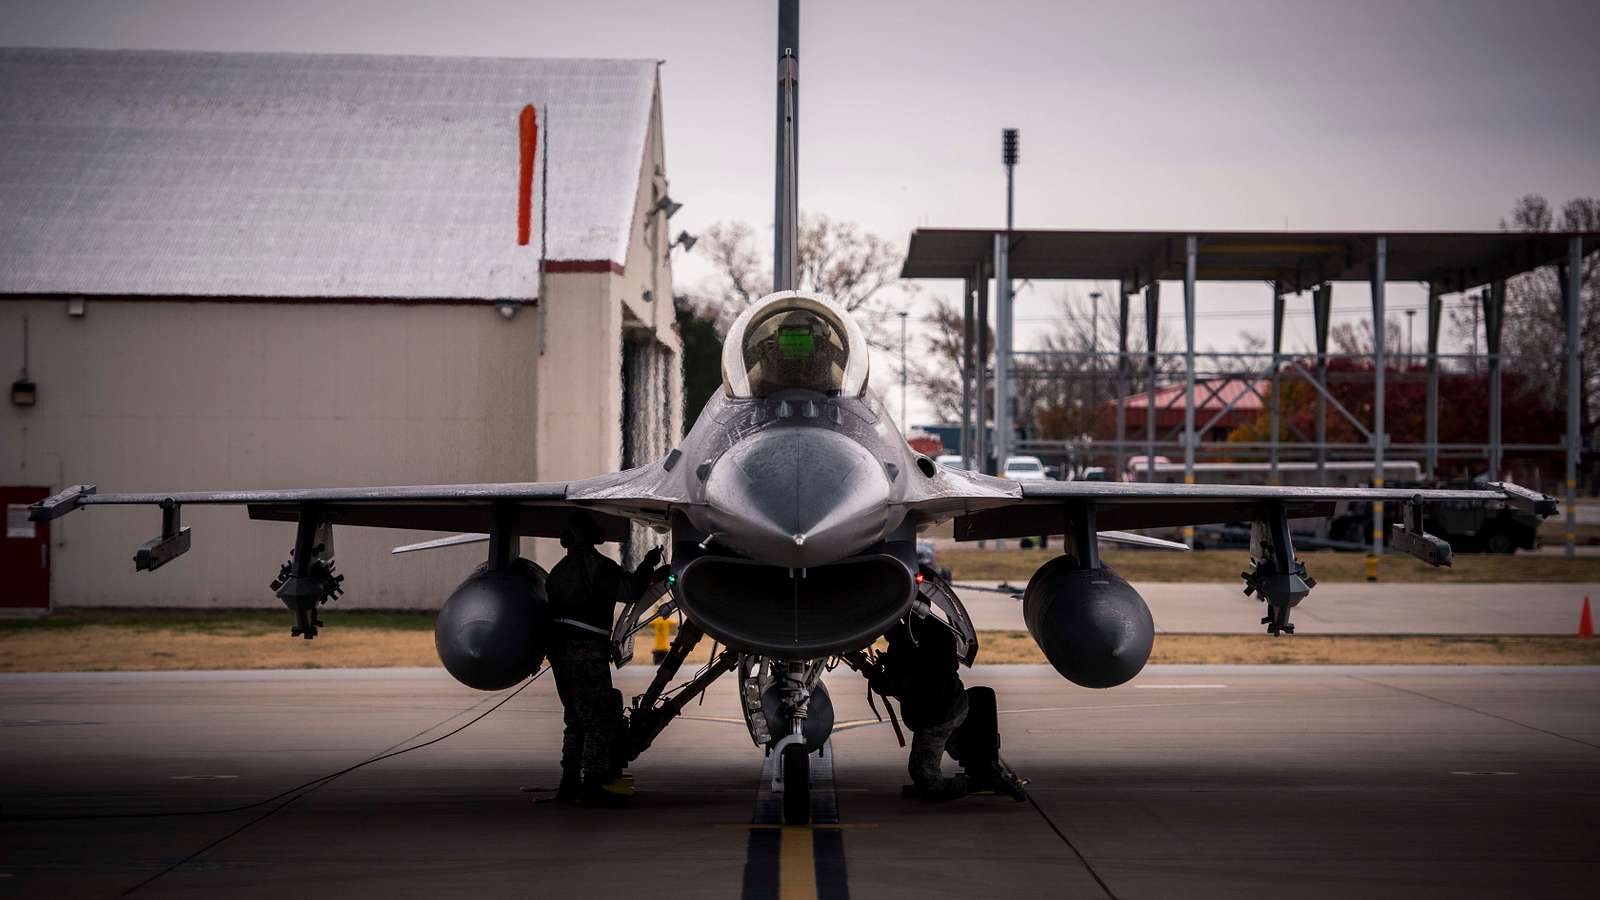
x,y
663,629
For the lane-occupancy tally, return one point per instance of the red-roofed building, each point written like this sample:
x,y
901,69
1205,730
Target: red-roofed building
x,y
1243,400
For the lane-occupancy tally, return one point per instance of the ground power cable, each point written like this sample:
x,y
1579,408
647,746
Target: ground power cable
x,y
1471,709
303,789
313,783
1071,846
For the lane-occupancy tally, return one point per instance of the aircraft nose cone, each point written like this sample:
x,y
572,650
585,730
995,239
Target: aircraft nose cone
x,y
798,497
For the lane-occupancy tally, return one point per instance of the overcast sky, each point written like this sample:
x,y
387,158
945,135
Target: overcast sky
x,y
1158,114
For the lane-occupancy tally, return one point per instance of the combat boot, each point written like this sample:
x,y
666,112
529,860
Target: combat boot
x,y
941,791
616,792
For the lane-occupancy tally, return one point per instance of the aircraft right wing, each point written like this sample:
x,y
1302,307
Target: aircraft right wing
x,y
505,512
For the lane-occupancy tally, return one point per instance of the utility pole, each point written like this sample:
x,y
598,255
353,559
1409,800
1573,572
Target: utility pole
x,y
905,418
1094,349
1410,314
1476,304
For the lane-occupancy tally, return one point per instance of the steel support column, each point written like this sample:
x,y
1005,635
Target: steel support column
x,y
968,287
1380,437
1494,309
1122,384
1322,314
980,371
1190,252
1277,363
1002,354
1573,285
1435,314
786,226
1152,328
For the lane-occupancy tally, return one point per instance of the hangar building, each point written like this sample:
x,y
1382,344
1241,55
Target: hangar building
x,y
268,271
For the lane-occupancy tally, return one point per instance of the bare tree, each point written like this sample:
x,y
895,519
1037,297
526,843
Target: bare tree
x,y
1060,391
837,259
1534,332
1358,338
940,366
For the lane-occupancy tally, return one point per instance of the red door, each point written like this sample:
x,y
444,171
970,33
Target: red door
x,y
24,552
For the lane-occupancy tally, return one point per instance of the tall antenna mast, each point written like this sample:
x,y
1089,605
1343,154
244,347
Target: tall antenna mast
x,y
786,201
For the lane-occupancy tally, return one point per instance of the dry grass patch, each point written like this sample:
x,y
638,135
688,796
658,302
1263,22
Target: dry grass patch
x,y
202,641
112,648
1017,566
1330,649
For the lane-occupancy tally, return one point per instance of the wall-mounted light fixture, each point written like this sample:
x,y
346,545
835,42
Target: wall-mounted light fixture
x,y
666,205
76,307
508,308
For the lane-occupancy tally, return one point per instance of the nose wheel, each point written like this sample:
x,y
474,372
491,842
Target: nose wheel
x,y
796,764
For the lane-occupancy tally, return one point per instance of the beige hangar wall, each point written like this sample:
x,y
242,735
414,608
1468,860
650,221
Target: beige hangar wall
x,y
149,395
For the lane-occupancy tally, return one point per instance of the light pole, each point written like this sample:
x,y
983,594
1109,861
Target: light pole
x,y
904,424
1094,350
1003,420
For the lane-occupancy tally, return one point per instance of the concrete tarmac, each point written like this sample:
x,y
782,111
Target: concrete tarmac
x,y
1189,781
1336,608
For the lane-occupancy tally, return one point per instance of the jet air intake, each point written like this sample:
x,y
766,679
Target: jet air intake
x,y
789,614
1091,624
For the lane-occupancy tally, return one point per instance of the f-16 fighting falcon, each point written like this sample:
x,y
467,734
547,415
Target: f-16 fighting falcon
x,y
791,510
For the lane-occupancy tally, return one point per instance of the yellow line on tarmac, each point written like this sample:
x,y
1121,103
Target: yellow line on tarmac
x,y
834,826
797,865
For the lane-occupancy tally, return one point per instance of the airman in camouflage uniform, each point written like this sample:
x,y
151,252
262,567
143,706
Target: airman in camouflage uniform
x,y
584,588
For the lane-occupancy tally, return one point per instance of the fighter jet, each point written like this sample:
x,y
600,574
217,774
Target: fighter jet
x,y
792,508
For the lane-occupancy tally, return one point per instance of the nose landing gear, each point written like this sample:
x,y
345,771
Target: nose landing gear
x,y
796,768
796,687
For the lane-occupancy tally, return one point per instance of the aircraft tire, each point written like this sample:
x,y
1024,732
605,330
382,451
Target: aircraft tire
x,y
796,785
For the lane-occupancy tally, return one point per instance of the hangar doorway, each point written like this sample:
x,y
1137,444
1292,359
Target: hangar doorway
x,y
24,553
646,415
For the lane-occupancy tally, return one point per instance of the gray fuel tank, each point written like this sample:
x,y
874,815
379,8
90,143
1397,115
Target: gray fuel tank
x,y
1091,624
491,632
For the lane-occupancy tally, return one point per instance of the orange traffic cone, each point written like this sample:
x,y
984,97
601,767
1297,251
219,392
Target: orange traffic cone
x,y
1586,621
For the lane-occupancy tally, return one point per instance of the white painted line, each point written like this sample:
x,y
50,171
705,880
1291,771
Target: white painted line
x,y
1179,687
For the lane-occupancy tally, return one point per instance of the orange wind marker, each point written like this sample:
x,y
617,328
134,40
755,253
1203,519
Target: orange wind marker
x,y
1585,621
528,126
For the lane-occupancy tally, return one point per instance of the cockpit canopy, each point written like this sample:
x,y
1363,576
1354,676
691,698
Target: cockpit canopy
x,y
792,340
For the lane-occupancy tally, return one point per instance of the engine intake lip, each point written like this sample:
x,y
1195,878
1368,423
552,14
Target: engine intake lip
x,y
759,608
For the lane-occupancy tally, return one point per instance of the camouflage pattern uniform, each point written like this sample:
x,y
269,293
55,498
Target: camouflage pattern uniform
x,y
920,669
928,746
584,588
592,707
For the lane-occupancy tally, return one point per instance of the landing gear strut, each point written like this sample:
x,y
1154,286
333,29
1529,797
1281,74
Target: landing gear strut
x,y
794,756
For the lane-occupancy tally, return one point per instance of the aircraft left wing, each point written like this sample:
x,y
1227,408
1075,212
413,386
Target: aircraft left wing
x,y
1044,507
1081,510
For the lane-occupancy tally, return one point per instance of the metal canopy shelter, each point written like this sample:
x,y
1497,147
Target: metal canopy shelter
x,y
1290,263
1298,260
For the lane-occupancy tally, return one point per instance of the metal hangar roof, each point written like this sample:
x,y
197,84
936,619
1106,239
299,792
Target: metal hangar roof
x,y
285,175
